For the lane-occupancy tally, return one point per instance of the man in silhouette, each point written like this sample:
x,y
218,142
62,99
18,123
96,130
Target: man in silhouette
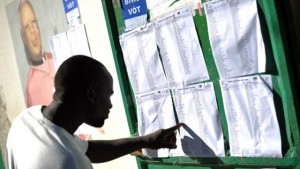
x,y
42,136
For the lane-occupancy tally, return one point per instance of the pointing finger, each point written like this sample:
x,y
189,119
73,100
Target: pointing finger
x,y
171,129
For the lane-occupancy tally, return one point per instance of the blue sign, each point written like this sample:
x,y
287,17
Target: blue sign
x,y
69,5
133,8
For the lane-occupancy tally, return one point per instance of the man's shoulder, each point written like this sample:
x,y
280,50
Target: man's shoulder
x,y
22,114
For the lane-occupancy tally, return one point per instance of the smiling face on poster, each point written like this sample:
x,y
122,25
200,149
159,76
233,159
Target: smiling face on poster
x,y
30,31
32,23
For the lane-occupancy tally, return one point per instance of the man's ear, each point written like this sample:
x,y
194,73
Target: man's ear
x,y
91,94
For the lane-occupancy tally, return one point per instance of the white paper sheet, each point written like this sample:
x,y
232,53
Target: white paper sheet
x,y
235,37
155,111
135,22
180,50
251,117
162,8
60,49
202,135
70,43
142,60
78,41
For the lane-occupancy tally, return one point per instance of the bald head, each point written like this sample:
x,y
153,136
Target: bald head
x,y
30,30
77,74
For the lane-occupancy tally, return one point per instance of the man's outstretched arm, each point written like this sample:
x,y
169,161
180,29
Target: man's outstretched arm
x,y
106,150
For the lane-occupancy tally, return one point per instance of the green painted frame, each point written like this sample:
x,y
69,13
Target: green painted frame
x,y
283,93
1,160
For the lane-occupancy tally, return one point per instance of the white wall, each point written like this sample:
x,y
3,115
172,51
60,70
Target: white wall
x,y
9,77
93,17
116,126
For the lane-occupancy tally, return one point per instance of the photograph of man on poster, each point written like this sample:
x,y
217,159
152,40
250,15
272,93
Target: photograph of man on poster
x,y
32,24
38,85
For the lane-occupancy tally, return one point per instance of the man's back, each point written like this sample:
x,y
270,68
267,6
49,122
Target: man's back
x,y
35,142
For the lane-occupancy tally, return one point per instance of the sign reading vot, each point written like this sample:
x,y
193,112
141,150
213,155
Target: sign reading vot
x,y
134,13
72,11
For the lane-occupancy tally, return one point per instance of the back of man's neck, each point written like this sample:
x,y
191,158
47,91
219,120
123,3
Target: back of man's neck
x,y
59,114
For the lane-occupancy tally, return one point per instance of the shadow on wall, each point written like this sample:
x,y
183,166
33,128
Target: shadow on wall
x,y
4,123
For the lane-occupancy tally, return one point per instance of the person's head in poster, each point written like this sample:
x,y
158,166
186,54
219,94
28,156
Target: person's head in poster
x,y
40,85
30,31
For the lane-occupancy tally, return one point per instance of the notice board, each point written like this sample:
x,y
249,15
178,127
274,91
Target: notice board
x,y
276,65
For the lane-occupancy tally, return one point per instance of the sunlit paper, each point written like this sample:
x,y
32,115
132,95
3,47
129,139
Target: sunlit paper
x,y
155,111
251,117
142,60
70,43
235,37
180,50
202,135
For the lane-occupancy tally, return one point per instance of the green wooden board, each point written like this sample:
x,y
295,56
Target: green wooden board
x,y
1,160
276,66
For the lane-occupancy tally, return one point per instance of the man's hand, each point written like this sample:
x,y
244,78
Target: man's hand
x,y
106,150
163,138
